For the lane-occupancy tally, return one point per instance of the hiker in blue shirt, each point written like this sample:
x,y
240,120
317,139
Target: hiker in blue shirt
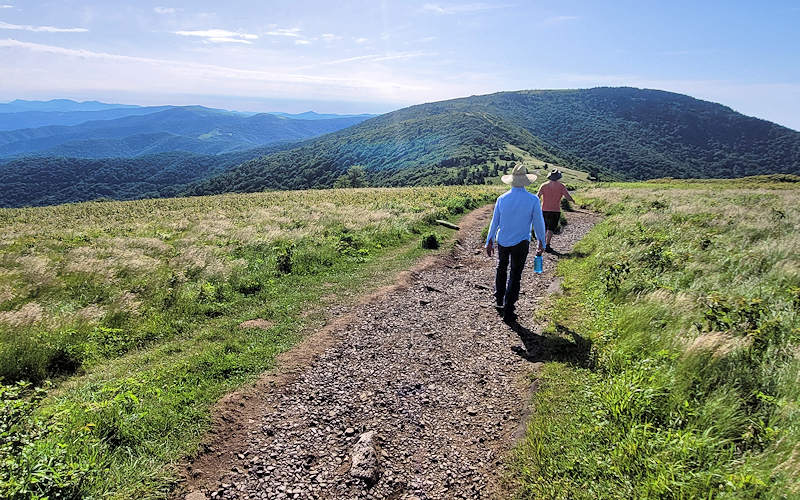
x,y
514,214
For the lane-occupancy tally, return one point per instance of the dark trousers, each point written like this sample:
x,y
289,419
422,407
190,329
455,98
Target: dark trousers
x,y
506,288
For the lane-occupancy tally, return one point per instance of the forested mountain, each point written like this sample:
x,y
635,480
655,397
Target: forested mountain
x,y
413,149
642,134
34,181
622,133
190,128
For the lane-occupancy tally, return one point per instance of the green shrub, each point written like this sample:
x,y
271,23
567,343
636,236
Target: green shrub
x,y
283,252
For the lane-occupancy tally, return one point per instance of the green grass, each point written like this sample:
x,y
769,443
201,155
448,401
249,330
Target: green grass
x,y
689,295
126,315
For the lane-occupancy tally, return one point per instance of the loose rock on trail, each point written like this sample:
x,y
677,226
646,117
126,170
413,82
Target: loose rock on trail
x,y
422,386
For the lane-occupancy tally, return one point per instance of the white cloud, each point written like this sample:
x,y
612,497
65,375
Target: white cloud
x,y
329,37
217,33
559,19
463,8
371,58
361,40
223,39
290,32
6,6
220,36
302,42
48,29
165,10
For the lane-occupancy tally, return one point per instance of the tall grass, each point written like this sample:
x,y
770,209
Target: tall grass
x,y
690,296
126,317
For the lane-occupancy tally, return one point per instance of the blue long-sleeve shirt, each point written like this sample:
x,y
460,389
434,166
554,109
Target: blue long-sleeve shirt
x,y
514,214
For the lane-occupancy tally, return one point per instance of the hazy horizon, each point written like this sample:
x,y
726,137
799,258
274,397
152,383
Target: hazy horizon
x,y
320,107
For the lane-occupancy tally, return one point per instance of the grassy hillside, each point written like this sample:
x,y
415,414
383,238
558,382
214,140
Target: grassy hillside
x,y
133,312
673,370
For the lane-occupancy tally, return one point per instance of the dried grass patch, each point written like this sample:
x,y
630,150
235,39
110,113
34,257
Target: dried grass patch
x,y
36,269
28,314
257,323
92,313
6,293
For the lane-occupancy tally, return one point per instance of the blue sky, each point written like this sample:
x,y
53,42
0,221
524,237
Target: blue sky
x,y
373,56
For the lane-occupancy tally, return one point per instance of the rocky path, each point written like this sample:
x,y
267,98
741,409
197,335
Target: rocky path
x,y
423,386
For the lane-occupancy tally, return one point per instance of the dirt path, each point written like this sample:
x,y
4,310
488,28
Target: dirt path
x,y
427,365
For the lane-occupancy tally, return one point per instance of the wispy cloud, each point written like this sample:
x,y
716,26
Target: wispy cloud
x,y
47,29
290,32
371,58
220,36
361,40
302,42
6,6
330,37
225,39
165,10
215,71
559,19
463,8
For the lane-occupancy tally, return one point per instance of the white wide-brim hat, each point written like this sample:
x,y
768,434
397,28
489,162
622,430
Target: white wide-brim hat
x,y
519,177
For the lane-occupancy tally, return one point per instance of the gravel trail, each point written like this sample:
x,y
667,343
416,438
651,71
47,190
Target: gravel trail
x,y
423,384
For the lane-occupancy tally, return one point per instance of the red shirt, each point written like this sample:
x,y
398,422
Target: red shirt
x,y
551,193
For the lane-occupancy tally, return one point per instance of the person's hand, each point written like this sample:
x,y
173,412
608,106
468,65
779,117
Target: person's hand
x,y
490,249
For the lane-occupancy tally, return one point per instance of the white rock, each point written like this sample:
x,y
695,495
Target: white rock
x,y
365,458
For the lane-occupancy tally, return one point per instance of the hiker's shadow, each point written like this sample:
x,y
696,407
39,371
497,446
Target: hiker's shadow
x,y
572,254
567,346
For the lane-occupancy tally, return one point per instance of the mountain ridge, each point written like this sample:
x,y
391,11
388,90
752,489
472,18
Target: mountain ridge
x,y
610,133
620,132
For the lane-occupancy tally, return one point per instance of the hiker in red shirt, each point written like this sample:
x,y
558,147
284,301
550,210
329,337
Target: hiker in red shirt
x,y
550,193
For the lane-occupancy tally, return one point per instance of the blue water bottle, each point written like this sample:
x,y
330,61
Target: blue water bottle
x,y
537,264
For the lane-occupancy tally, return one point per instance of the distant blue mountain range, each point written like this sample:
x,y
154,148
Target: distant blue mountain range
x,y
60,105
94,129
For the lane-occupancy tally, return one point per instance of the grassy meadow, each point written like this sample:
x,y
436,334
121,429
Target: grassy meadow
x,y
120,321
678,368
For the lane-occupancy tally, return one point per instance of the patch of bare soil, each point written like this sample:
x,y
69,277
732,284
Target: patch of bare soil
x,y
421,383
